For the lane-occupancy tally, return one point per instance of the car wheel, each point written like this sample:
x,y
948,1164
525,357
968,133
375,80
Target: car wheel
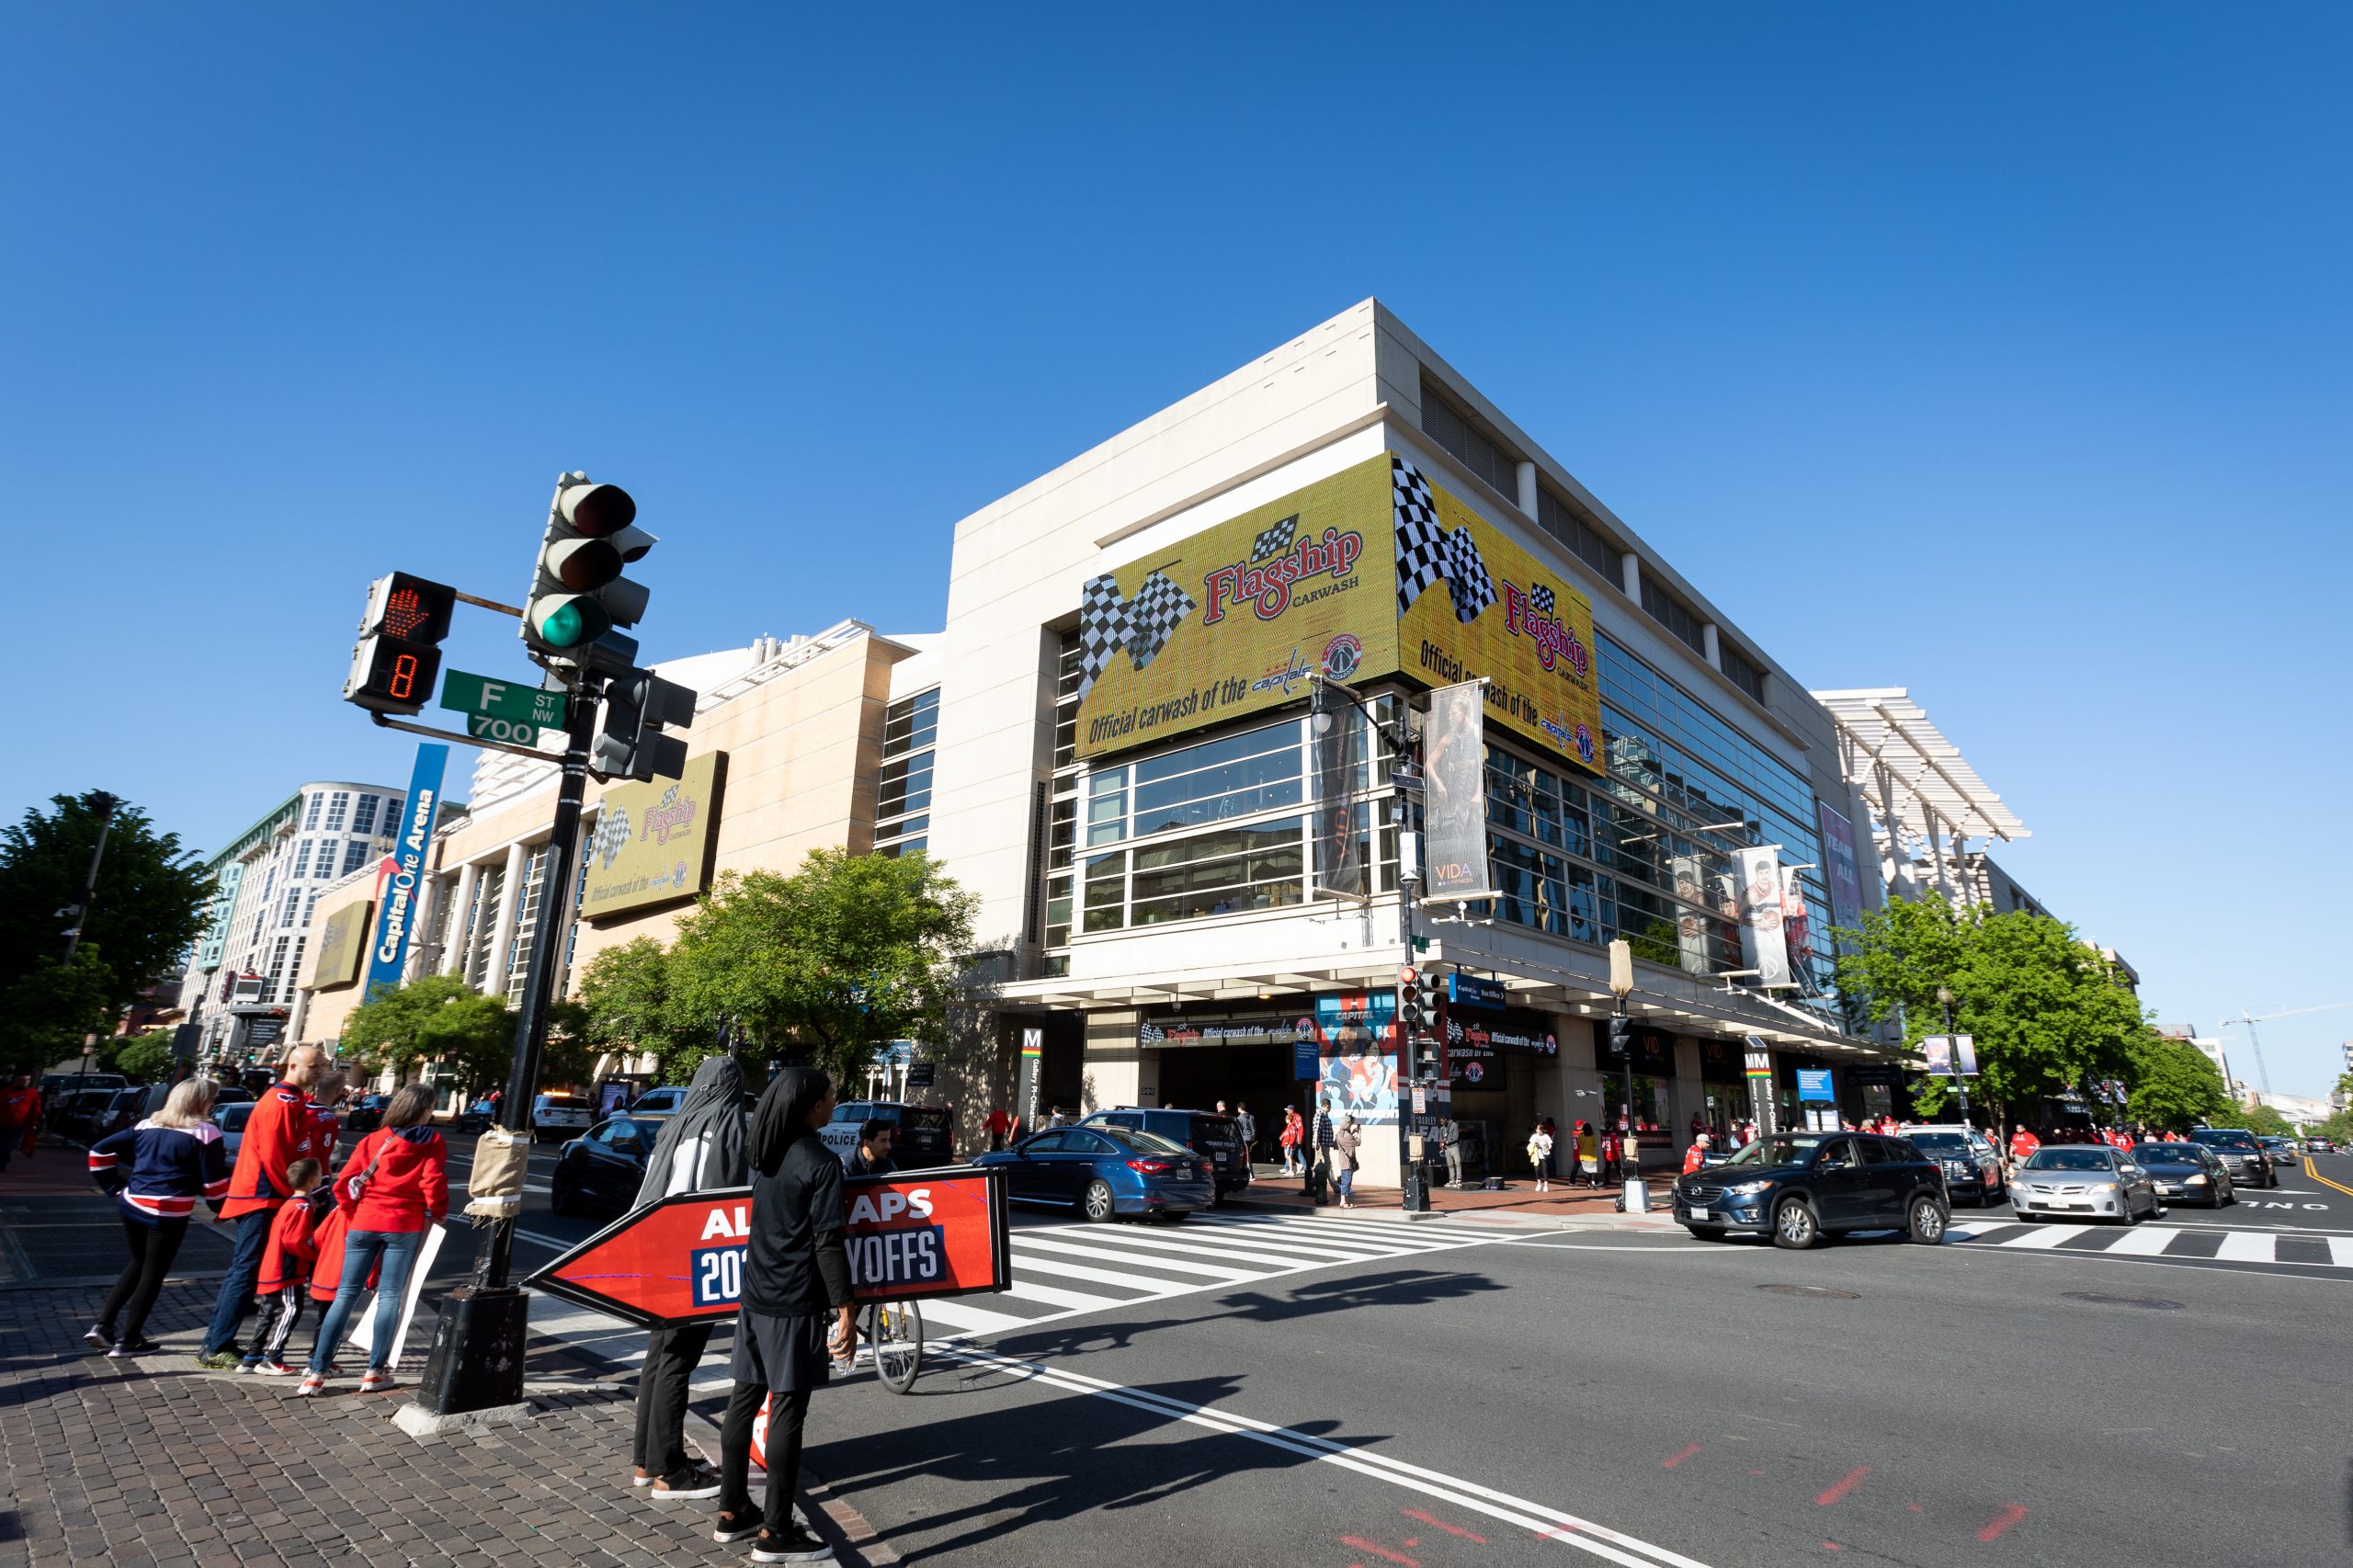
x,y
1794,1227
1926,1224
561,1198
1096,1201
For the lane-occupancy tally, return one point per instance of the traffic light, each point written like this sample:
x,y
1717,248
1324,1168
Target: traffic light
x,y
1622,1038
1411,1000
630,743
577,591
399,657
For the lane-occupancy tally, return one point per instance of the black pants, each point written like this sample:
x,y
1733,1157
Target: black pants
x,y
153,1247
279,1313
671,1356
785,1417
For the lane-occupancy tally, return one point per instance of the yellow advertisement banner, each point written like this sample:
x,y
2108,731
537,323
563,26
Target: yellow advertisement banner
x,y
653,842
1371,572
1234,619
1477,604
342,940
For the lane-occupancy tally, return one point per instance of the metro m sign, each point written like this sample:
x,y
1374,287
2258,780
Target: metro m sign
x,y
937,1233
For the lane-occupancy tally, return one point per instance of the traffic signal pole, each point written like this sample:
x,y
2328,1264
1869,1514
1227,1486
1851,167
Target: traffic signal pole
x,y
477,1358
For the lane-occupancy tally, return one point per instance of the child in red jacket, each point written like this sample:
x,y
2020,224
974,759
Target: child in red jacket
x,y
286,1264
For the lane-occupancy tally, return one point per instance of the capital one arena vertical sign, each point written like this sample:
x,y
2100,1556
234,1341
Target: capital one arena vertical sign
x,y
1371,572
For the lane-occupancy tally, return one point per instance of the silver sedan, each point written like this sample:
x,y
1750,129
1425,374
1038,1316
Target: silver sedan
x,y
2082,1181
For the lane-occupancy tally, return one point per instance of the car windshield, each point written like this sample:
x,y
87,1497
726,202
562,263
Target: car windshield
x,y
1794,1150
1139,1141
2072,1160
1939,1142
929,1118
2212,1139
2168,1154
233,1117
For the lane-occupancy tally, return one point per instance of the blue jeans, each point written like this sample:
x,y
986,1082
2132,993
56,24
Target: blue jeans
x,y
361,1249
237,1285
1347,1176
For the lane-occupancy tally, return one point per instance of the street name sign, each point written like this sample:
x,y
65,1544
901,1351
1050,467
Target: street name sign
x,y
502,709
935,1233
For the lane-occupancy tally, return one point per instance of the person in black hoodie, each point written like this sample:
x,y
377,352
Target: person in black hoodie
x,y
796,1316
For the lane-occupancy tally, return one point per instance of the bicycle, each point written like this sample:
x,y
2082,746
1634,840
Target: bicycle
x,y
894,1329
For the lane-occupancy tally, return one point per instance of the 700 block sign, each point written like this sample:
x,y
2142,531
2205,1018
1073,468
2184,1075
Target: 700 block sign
x,y
502,709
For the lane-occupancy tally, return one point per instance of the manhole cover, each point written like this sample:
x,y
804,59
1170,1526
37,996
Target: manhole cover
x,y
1823,1290
2152,1303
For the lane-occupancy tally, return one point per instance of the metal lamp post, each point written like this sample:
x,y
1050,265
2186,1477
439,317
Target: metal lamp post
x,y
1621,985
1959,1084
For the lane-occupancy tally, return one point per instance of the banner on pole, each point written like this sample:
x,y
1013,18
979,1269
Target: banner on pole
x,y
388,954
1339,868
1454,770
1797,928
1762,945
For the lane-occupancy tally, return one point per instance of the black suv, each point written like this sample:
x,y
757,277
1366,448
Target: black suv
x,y
1219,1138
926,1135
2241,1152
1800,1187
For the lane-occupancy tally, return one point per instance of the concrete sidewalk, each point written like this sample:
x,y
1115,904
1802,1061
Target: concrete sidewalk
x,y
152,1462
1517,1205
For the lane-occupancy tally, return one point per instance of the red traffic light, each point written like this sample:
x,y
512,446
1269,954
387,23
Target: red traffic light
x,y
1406,976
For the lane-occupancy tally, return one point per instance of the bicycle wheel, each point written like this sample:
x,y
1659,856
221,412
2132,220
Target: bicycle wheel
x,y
895,1330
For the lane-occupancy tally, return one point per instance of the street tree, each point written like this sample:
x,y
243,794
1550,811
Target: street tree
x,y
392,1026
150,906
628,1003
2047,1010
2259,1119
828,963
145,1058
2174,1086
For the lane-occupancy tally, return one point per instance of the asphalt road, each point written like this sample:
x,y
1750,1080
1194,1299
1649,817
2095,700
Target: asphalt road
x,y
1640,1400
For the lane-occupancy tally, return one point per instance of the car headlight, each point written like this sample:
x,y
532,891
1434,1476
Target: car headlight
x,y
1748,1189
2196,1181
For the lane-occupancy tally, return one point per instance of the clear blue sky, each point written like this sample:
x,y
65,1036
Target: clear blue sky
x,y
1999,352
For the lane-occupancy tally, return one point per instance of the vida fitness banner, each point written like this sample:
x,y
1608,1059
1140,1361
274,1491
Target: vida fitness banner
x,y
1374,571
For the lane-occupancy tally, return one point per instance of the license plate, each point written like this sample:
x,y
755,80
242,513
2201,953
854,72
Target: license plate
x,y
2170,1191
1698,1214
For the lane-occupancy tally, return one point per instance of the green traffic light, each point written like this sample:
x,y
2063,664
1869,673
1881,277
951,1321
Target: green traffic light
x,y
572,622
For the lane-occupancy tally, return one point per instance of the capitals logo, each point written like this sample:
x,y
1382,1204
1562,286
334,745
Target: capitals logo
x,y
1342,655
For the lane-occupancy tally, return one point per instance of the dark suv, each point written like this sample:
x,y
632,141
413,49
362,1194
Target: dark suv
x,y
1800,1187
2243,1151
1203,1131
926,1135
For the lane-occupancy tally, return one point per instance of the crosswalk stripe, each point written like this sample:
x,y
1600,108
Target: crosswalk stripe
x,y
1110,1254
2340,1251
959,1314
2040,1236
1064,1268
1367,1236
1207,1248
1397,1231
2146,1242
1055,1296
2244,1246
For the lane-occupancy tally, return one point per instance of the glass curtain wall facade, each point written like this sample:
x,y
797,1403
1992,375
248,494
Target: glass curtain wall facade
x,y
902,798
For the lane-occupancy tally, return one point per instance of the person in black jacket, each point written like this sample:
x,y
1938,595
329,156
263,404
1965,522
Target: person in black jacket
x,y
796,1316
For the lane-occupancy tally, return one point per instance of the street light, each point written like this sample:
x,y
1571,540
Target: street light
x,y
1622,1038
1959,1084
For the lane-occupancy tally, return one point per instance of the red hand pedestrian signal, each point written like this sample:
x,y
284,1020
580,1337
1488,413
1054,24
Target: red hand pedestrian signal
x,y
399,656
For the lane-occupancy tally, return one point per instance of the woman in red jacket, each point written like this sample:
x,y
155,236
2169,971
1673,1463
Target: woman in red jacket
x,y
395,1184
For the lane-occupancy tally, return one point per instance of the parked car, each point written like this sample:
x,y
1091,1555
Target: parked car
x,y
366,1113
77,1116
475,1118
1973,1170
600,1171
233,1093
560,1115
926,1135
2077,1181
1202,1131
667,1100
125,1108
1104,1171
230,1120
2250,1163
2190,1172
1800,1187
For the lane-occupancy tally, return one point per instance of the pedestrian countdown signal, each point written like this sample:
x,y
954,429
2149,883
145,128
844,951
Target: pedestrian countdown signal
x,y
398,659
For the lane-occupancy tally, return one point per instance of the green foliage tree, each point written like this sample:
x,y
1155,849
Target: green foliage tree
x,y
629,1002
825,964
2174,1086
2046,1010
2259,1119
472,1038
145,1058
435,1019
150,905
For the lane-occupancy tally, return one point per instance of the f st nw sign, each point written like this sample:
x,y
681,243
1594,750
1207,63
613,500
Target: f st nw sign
x,y
929,1233
502,709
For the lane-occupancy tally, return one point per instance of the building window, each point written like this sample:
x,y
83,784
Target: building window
x,y
1743,671
1673,614
338,809
310,908
363,815
311,812
1557,517
301,862
355,855
527,912
902,795
1471,446
286,911
481,921
276,968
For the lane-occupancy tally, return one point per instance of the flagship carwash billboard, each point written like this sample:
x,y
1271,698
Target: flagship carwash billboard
x,y
1374,571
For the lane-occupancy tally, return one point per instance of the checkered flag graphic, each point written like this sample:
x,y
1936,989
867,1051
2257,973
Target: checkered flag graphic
x,y
1275,540
1426,554
611,837
1142,625
1541,596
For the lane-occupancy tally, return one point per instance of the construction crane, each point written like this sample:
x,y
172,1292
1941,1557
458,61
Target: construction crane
x,y
2262,1073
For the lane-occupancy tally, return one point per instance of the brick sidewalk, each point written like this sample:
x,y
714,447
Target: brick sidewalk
x,y
152,1462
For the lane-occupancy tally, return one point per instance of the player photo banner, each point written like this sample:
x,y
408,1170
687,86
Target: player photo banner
x,y
1339,868
1454,771
935,1233
1371,572
1763,947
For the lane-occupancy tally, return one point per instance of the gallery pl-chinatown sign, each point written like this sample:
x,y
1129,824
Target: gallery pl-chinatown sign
x,y
937,1233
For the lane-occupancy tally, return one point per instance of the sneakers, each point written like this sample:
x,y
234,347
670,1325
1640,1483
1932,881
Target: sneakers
x,y
312,1385
100,1337
644,1477
727,1529
694,1481
795,1545
124,1348
218,1360
376,1379
272,1369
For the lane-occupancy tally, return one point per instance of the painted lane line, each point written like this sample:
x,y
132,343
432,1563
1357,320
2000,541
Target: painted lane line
x,y
2313,1170
1548,1523
2011,1513
1678,1456
1840,1487
1358,1543
2340,1251
2245,1246
1436,1523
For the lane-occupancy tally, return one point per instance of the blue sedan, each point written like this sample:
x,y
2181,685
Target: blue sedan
x,y
1103,1171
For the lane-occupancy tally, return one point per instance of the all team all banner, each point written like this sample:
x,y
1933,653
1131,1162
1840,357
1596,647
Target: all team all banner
x,y
931,1234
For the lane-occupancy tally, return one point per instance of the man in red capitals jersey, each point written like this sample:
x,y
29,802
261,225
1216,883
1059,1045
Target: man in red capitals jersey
x,y
281,1131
